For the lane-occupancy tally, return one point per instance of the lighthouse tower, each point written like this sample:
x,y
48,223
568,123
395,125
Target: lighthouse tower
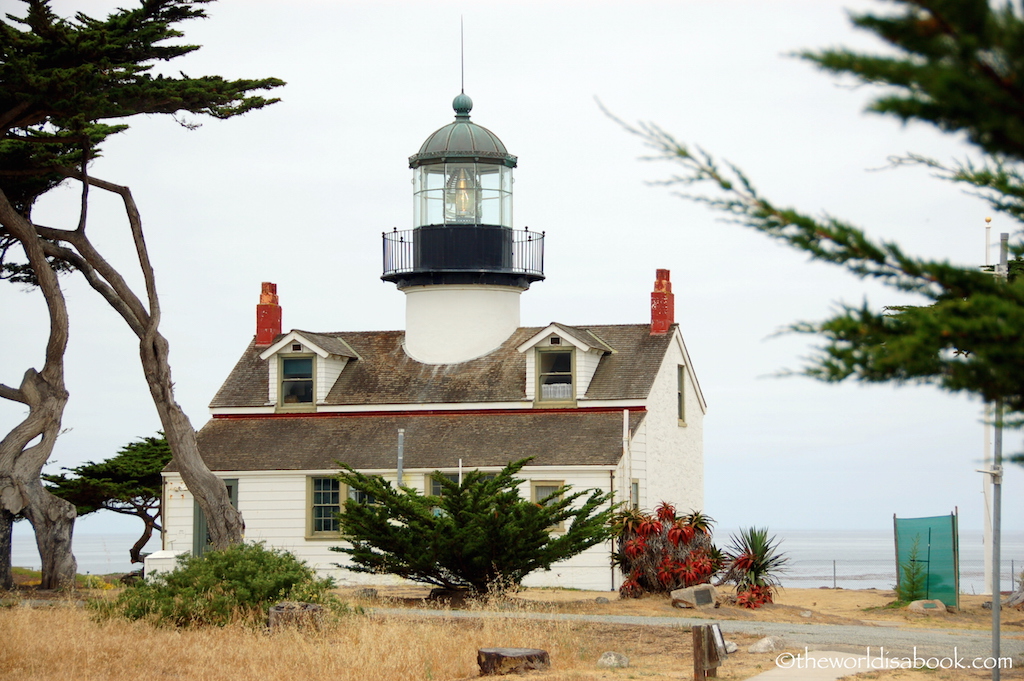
x,y
462,266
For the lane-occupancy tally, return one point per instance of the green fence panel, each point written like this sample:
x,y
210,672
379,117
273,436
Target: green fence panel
x,y
938,548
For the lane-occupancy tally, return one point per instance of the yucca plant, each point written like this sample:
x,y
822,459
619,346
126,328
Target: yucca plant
x,y
755,565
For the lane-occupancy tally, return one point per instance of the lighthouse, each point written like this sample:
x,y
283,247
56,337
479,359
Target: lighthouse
x,y
463,266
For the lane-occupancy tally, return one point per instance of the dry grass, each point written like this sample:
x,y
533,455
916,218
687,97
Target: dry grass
x,y
62,641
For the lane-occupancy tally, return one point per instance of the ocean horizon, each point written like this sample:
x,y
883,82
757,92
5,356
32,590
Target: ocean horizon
x,y
848,559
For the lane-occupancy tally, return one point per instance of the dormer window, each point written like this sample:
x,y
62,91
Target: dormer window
x,y
555,375
296,381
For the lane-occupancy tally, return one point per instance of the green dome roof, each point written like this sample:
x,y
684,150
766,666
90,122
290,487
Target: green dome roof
x,y
461,141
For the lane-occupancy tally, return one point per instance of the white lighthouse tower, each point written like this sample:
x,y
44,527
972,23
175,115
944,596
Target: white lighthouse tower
x,y
462,267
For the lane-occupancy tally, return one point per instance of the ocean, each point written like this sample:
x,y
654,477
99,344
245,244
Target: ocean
x,y
849,559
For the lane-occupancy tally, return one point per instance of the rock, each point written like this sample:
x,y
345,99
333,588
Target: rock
x,y
806,613
700,596
932,607
291,613
368,593
499,661
731,647
611,660
768,644
601,600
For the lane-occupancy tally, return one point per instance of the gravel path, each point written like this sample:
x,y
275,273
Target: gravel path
x,y
898,642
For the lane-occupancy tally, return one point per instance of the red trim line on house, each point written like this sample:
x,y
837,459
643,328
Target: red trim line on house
x,y
433,412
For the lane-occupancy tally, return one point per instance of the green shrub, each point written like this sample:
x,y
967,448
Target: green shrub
x,y
238,584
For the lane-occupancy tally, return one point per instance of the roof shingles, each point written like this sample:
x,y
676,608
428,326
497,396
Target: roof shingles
x,y
432,440
385,374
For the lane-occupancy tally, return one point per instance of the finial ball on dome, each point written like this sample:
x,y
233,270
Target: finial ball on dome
x,y
462,104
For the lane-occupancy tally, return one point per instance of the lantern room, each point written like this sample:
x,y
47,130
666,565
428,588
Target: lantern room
x,y
462,214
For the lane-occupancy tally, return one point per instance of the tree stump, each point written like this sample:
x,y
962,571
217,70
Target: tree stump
x,y
288,613
498,661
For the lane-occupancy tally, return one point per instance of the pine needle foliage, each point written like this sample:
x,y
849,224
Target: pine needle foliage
x,y
957,65
480,536
913,577
128,483
67,84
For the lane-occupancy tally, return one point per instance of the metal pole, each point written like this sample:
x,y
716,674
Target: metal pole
x,y
986,492
401,453
997,493
986,480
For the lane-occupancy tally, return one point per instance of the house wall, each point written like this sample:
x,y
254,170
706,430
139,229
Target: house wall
x,y
674,450
273,504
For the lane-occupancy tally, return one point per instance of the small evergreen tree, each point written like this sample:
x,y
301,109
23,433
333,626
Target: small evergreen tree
x,y
479,535
128,483
911,586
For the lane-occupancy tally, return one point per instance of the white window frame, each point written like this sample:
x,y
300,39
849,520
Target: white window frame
x,y
281,381
539,394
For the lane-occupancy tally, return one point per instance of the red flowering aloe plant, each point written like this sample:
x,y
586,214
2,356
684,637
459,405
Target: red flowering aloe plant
x,y
664,551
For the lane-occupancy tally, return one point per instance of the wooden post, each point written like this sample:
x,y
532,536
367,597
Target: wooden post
x,y
705,653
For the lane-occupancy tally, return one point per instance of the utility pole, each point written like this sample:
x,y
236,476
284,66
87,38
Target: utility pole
x,y
986,480
996,474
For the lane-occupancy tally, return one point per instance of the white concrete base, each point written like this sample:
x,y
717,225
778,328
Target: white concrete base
x,y
161,561
451,324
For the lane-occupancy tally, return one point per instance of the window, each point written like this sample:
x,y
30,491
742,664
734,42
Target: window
x,y
435,486
325,501
325,497
541,490
554,375
296,381
634,495
681,394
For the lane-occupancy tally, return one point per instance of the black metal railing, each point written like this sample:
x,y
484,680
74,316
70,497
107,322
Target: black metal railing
x,y
464,248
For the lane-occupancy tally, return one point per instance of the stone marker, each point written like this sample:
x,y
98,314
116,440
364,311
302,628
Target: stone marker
x,y
498,661
700,596
932,607
291,613
601,600
612,660
768,644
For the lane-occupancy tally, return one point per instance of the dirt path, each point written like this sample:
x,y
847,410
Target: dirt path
x,y
846,638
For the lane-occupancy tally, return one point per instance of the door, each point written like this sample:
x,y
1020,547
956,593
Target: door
x,y
200,532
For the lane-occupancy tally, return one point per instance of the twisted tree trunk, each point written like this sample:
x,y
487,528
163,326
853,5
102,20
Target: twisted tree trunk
x,y
6,529
29,445
223,520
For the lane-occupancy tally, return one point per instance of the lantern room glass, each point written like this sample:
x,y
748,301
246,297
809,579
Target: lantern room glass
x,y
462,194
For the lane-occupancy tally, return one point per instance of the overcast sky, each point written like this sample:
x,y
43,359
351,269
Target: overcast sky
x,y
299,193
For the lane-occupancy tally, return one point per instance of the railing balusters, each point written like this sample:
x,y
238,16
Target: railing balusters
x,y
527,252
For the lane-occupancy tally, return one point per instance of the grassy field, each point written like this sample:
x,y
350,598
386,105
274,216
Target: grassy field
x,y
62,640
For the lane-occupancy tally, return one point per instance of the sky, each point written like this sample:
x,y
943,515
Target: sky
x,y
299,193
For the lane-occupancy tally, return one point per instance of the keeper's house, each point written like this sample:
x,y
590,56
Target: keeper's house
x,y
615,407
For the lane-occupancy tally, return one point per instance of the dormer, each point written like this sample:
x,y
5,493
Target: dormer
x,y
560,362
302,368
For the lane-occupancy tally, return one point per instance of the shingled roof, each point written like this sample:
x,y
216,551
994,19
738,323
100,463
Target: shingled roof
x,y
385,374
433,440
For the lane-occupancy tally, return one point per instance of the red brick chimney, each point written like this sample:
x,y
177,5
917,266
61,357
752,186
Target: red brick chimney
x,y
663,304
268,316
